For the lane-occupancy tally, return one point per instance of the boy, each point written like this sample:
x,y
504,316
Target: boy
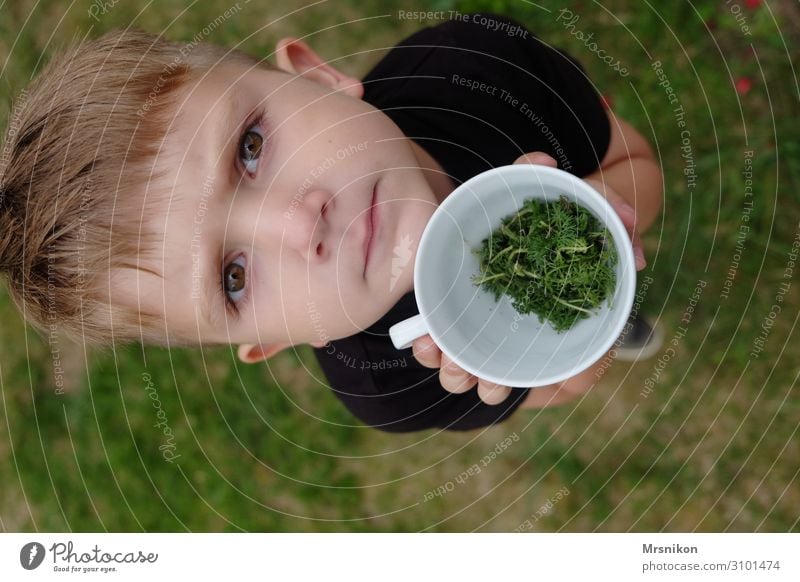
x,y
183,194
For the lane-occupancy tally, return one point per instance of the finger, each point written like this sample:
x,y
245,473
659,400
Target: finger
x,y
628,216
453,378
427,352
538,158
638,252
625,211
492,393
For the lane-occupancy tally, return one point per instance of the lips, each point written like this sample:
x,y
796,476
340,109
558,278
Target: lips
x,y
371,227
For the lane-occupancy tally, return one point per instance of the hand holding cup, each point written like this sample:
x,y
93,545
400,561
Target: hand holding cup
x,y
474,346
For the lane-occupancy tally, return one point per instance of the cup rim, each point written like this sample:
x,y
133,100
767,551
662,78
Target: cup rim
x,y
611,220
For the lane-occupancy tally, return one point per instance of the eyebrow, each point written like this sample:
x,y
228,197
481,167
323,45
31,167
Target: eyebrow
x,y
211,310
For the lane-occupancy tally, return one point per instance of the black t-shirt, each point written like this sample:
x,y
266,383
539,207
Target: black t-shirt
x,y
533,98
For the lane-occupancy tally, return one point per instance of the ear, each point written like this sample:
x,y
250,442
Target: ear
x,y
253,353
296,57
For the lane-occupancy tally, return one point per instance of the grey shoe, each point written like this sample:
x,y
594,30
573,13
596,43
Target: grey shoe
x,y
639,340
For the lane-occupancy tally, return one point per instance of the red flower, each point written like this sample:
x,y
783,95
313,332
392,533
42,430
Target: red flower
x,y
752,4
743,85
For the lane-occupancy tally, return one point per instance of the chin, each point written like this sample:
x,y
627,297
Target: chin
x,y
405,284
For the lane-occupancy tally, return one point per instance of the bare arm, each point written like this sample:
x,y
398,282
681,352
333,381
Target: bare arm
x,y
630,169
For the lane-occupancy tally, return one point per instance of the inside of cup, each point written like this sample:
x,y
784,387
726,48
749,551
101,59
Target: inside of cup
x,y
490,338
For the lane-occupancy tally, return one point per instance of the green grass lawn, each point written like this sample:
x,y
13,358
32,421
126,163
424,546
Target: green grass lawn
x,y
712,445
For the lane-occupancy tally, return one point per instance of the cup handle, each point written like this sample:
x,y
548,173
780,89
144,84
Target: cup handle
x,y
404,333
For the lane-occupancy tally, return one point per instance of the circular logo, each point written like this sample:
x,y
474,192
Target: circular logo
x,y
31,555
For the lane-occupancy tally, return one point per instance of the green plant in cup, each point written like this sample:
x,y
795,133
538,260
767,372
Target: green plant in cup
x,y
554,259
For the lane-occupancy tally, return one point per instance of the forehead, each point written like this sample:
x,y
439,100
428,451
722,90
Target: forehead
x,y
208,90
192,169
200,103
208,112
189,170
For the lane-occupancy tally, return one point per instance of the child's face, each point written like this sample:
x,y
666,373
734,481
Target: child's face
x,y
281,230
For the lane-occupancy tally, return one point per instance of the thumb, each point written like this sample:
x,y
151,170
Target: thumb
x,y
537,158
427,352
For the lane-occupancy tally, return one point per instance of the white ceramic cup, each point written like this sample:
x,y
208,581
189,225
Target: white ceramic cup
x,y
490,339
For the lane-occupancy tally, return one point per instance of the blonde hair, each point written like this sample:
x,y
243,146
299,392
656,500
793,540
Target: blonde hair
x,y
79,147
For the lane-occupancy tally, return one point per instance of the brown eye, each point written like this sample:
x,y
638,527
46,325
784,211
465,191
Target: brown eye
x,y
234,278
251,146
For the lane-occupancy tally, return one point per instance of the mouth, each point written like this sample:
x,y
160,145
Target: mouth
x,y
371,228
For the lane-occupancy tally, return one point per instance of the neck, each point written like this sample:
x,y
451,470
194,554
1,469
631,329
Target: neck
x,y
437,178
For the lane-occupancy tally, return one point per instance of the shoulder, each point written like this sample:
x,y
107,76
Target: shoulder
x,y
487,83
491,46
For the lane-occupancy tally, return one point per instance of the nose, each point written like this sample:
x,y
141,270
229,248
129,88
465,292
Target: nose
x,y
302,226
